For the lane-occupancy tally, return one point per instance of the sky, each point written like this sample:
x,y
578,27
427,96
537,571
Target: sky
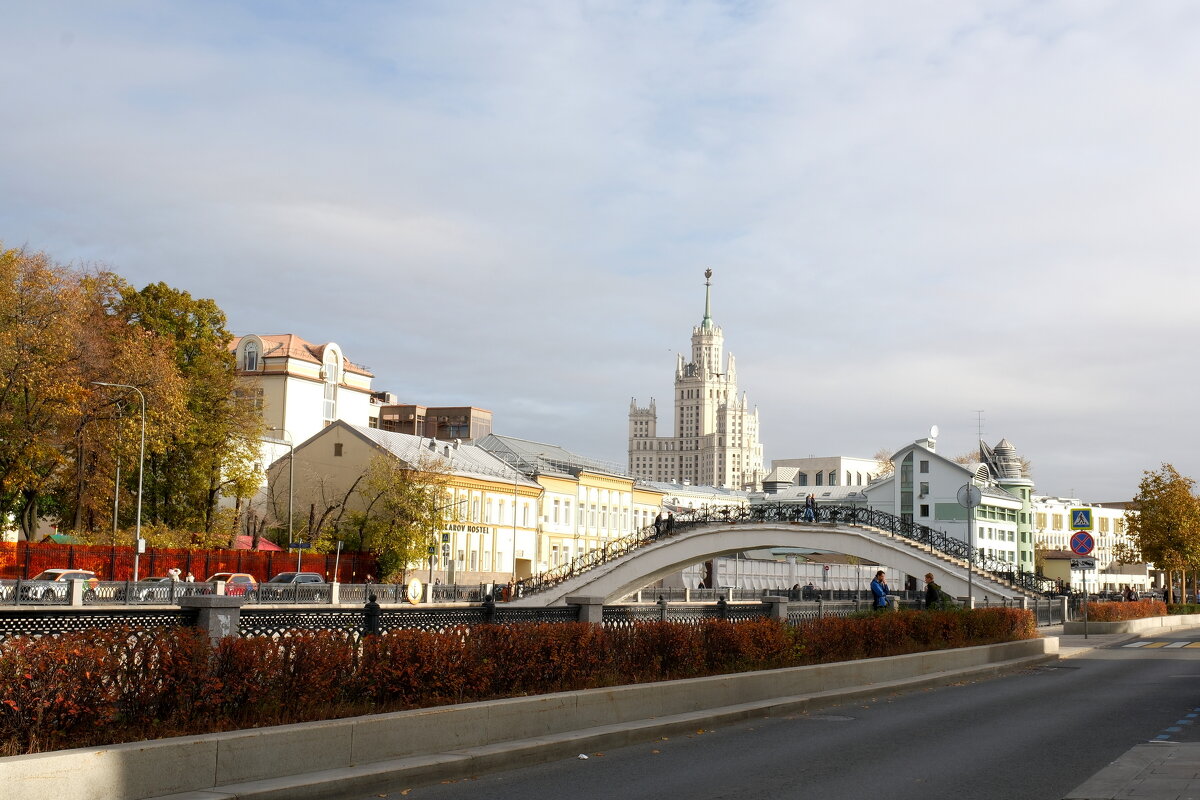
x,y
979,215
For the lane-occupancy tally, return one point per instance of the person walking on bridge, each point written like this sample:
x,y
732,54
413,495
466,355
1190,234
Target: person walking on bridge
x,y
810,509
660,522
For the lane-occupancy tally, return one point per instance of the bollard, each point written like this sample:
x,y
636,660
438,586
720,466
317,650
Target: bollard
x,y
218,614
662,608
777,608
591,609
371,617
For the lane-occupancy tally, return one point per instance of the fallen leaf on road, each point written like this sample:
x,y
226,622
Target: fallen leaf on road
x,y
656,752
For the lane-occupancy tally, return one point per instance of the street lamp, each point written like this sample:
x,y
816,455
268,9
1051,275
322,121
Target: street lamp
x,y
291,474
137,534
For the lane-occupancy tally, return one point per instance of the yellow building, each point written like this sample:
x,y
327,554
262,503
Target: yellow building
x,y
491,510
585,503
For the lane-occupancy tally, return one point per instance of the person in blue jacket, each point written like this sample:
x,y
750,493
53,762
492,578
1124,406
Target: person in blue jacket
x,y
879,591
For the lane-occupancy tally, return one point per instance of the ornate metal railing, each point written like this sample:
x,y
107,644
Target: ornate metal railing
x,y
1003,571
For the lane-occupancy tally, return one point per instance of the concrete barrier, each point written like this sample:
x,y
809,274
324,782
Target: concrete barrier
x,y
440,738
1145,624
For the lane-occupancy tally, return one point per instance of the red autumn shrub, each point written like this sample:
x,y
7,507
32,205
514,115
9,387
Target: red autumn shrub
x,y
1116,612
111,686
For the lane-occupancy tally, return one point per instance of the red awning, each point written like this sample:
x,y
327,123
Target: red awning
x,y
243,543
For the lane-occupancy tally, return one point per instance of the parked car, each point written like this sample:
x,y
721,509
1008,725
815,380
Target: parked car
x,y
298,577
142,593
58,583
286,585
237,584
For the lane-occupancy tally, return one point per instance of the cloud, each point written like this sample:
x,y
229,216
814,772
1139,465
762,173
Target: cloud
x,y
913,210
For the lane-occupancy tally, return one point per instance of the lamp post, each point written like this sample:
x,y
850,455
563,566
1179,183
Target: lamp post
x,y
137,532
291,475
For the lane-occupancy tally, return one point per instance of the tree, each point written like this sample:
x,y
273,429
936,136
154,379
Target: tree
x,y
1164,529
40,391
213,453
883,462
394,512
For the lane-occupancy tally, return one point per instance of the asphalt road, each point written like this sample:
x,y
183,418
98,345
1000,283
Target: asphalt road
x,y
1032,735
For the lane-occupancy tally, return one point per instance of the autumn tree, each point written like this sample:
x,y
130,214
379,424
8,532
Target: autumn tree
x,y
213,452
40,389
392,510
1164,528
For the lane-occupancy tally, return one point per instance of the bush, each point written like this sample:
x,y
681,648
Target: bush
x,y
103,687
1136,609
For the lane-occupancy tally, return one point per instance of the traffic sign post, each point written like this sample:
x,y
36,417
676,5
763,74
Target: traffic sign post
x,y
1082,544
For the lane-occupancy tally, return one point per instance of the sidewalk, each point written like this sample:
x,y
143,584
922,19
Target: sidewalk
x,y
1151,771
1076,644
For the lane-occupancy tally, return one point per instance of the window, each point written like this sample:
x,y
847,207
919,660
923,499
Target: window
x,y
337,449
329,371
250,357
820,478
925,466
1056,522
924,488
924,510
1041,520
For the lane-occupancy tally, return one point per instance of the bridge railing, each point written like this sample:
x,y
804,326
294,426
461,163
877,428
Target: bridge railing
x,y
862,516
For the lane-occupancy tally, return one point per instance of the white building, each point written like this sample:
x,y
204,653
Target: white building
x,y
816,472
1052,531
300,387
924,488
677,497
715,442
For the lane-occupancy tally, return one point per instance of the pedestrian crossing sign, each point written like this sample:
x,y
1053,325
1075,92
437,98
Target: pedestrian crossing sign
x,y
1081,519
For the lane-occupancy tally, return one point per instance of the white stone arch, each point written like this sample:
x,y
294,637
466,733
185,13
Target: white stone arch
x,y
655,561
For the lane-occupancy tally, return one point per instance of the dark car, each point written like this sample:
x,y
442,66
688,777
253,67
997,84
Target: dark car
x,y
297,577
292,586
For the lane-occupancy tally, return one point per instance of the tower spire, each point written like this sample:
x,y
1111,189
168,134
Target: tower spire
x,y
707,322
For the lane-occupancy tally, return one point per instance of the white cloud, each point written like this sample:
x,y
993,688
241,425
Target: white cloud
x,y
914,210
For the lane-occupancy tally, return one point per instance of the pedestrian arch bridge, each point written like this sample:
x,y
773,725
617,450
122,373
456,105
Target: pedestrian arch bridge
x,y
626,565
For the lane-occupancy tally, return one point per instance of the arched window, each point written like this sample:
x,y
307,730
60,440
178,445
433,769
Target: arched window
x,y
250,357
330,371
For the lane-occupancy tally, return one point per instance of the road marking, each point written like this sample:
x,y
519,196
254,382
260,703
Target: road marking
x,y
1179,644
1156,644
1138,644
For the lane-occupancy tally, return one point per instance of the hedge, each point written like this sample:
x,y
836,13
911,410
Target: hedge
x,y
1135,609
108,686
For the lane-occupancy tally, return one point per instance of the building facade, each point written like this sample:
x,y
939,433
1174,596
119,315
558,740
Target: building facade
x,y
300,387
819,472
585,503
490,510
437,422
715,441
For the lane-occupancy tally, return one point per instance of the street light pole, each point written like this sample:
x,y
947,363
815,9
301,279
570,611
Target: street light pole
x,y
291,482
137,532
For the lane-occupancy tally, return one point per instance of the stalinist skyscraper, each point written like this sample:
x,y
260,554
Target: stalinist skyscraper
x,y
716,432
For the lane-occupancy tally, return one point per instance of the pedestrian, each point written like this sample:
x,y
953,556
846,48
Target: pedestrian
x,y
879,592
670,523
1129,598
173,573
933,592
660,523
190,577
1166,595
810,509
